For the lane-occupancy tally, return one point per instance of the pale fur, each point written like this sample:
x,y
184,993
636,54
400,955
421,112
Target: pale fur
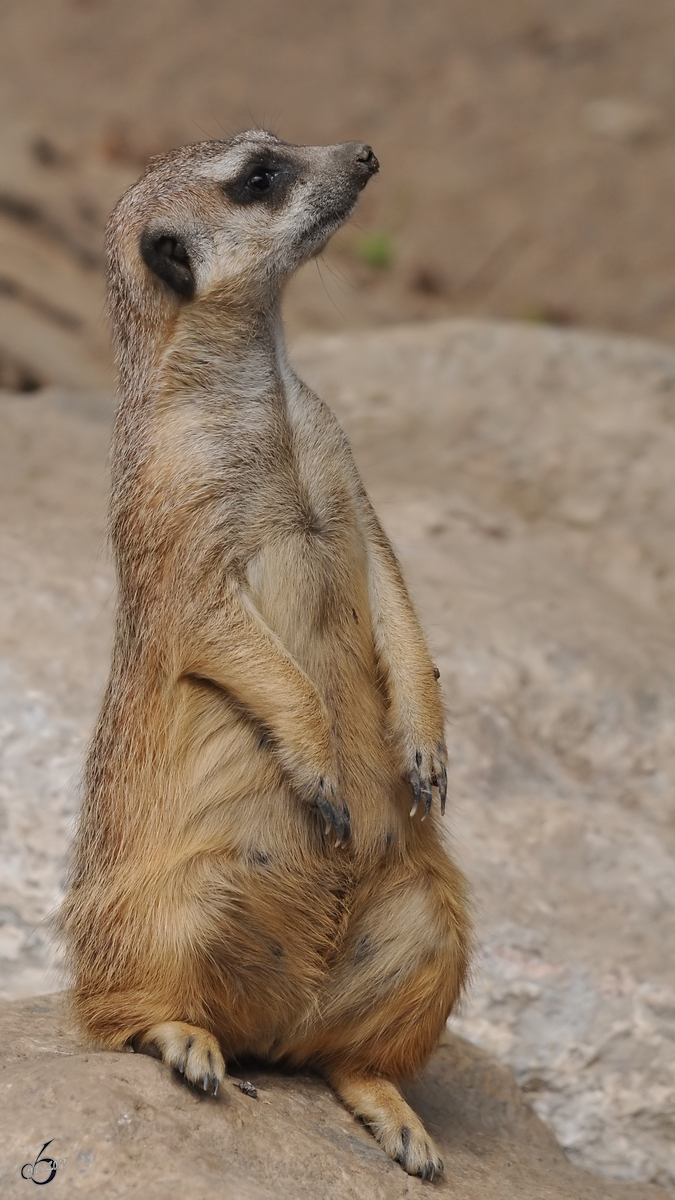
x,y
266,656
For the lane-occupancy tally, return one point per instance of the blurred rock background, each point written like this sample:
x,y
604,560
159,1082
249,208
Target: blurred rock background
x,y
525,474
527,151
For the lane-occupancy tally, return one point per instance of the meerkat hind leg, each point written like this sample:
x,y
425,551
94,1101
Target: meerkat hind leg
x,y
380,1105
187,1048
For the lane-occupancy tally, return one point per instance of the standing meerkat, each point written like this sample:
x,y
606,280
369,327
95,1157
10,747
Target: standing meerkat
x,y
249,877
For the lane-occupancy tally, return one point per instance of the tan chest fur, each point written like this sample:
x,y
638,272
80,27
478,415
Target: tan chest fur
x,y
298,536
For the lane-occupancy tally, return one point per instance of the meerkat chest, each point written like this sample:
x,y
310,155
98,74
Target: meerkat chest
x,y
308,574
310,565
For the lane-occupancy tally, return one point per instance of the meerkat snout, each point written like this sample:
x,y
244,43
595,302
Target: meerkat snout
x,y
243,214
365,157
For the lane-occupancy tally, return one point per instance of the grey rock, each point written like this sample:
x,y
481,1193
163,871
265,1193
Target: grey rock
x,y
525,476
126,1126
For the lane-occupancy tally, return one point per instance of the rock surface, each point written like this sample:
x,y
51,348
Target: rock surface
x,y
127,1126
525,476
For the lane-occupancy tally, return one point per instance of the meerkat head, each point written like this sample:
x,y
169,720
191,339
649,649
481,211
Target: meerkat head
x,y
228,218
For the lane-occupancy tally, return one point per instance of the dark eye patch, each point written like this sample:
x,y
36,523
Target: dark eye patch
x,y
167,257
263,180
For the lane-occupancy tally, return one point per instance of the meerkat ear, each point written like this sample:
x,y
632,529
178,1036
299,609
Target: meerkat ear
x,y
167,258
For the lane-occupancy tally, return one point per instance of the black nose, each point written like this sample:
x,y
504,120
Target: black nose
x,y
365,156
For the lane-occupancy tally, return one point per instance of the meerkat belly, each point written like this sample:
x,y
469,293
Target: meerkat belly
x,y
311,588
249,862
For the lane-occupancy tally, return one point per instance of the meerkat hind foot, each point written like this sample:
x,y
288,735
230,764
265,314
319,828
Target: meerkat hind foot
x,y
391,1120
187,1048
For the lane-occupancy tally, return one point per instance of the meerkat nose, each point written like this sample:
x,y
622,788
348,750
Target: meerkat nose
x,y
366,156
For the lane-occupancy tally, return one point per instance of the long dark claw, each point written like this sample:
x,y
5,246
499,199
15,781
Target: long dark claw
x,y
344,832
416,789
335,818
426,792
342,826
348,825
327,811
443,788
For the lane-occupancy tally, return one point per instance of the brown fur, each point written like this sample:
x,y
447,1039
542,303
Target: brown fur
x,y
269,675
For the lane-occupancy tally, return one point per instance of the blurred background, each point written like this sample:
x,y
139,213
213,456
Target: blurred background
x,y
523,471
526,150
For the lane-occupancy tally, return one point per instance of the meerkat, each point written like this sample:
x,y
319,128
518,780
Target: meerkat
x,y
259,868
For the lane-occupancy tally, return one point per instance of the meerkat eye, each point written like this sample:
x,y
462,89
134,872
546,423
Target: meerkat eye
x,y
168,258
260,180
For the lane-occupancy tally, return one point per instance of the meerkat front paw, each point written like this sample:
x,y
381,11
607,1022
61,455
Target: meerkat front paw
x,y
187,1048
334,811
429,771
380,1105
413,1149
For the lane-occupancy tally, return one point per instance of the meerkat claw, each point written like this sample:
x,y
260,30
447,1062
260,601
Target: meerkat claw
x,y
429,772
192,1051
414,780
337,818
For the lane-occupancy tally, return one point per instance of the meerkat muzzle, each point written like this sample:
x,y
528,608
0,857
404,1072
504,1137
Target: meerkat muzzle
x,y
365,161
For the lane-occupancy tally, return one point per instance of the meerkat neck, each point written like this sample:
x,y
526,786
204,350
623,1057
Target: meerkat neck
x,y
212,351
243,359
